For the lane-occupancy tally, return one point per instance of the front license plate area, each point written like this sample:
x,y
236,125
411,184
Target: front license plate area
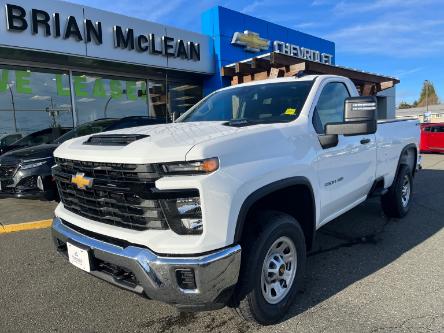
x,y
79,257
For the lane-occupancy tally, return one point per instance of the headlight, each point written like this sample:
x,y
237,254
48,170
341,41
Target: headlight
x,y
192,168
33,163
184,215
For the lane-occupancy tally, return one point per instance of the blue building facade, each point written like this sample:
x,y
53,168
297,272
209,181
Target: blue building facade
x,y
221,24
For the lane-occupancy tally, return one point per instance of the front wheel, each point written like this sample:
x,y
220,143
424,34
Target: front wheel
x,y
273,267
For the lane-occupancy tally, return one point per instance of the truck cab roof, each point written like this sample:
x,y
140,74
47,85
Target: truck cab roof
x,y
285,79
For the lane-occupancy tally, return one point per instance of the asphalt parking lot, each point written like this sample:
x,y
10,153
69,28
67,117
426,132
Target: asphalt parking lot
x,y
366,274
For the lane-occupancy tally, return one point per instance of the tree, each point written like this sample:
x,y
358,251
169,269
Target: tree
x,y
429,95
404,105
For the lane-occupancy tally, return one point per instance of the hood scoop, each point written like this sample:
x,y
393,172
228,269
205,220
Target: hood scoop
x,y
113,139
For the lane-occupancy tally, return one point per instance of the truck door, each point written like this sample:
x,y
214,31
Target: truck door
x,y
425,137
437,138
346,172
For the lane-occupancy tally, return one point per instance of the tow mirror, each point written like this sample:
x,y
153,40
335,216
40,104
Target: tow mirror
x,y
359,117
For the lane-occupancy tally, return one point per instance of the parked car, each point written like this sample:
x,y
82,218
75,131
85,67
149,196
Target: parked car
x,y
432,138
46,135
8,139
26,173
221,207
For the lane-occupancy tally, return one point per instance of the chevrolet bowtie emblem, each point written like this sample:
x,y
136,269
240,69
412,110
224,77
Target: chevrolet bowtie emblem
x,y
81,181
251,41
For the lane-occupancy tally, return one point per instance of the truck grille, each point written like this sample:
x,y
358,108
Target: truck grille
x,y
121,194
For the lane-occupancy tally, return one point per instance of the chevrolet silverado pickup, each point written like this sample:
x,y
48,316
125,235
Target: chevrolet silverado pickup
x,y
220,208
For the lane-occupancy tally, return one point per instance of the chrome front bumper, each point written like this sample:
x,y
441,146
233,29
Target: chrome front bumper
x,y
215,274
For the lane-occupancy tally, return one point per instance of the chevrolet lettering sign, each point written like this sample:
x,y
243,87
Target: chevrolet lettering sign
x,y
251,41
81,181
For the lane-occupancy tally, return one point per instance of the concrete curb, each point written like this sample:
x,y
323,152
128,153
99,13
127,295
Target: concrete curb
x,y
25,226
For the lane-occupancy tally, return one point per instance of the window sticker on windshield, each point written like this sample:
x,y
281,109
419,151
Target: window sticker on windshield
x,y
290,112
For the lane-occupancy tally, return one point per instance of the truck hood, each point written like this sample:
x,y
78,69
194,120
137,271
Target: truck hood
x,y
164,143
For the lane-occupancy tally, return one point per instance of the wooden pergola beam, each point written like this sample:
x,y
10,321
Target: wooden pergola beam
x,y
242,68
280,65
227,71
351,74
386,85
260,63
276,72
282,60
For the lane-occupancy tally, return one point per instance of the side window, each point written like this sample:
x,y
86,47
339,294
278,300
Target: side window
x,y
441,129
15,138
426,129
330,107
10,139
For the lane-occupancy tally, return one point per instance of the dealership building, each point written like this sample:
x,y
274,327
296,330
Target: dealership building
x,y
63,64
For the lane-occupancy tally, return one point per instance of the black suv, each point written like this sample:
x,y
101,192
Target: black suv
x,y
46,135
26,173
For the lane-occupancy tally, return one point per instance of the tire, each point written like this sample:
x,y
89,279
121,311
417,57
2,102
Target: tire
x,y
396,202
252,304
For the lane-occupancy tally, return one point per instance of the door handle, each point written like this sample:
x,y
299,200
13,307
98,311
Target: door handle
x,y
365,141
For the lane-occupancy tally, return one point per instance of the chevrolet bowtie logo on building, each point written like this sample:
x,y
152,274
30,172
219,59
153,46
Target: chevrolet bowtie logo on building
x,y
81,181
251,41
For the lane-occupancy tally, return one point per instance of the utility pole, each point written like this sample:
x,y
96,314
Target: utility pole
x,y
106,106
427,95
13,108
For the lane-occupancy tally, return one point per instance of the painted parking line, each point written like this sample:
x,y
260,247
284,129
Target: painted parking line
x,y
4,229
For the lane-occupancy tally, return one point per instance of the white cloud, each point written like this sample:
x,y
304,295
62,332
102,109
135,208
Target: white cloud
x,y
40,98
406,72
397,37
305,25
153,10
322,2
353,7
252,6
86,100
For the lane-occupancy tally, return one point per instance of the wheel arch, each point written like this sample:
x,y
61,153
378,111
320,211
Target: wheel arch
x,y
408,158
278,189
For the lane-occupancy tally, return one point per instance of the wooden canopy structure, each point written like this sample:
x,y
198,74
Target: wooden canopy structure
x,y
275,65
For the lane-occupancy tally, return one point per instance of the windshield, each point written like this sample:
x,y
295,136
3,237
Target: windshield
x,y
41,137
263,103
86,129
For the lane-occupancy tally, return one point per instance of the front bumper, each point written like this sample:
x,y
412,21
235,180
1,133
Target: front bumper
x,y
141,271
24,184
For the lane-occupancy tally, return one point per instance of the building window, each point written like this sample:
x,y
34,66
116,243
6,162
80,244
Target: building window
x,y
157,99
32,99
182,96
35,99
108,97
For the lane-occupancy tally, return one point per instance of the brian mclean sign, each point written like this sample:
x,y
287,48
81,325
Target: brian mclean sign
x,y
61,27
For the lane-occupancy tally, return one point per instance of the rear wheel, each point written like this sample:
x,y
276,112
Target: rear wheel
x,y
272,270
396,202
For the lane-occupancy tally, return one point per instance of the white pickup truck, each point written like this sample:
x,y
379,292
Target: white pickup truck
x,y
220,207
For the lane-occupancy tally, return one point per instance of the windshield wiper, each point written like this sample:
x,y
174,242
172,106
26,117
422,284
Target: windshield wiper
x,y
241,122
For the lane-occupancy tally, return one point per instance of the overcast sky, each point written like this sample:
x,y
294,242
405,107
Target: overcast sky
x,y
402,38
